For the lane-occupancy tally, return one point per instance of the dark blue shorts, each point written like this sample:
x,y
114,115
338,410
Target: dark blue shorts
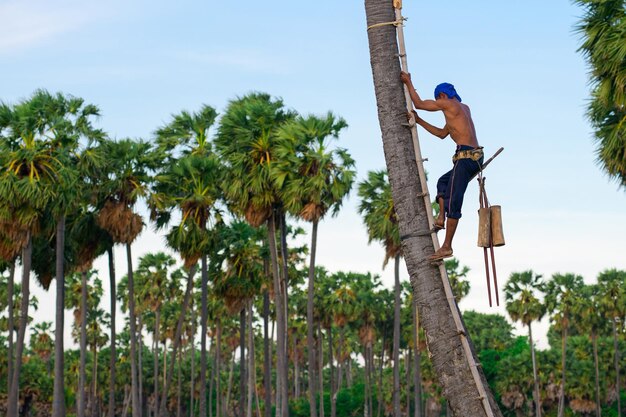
x,y
452,185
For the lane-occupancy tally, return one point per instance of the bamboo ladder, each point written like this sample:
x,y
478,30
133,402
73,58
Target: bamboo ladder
x,y
397,4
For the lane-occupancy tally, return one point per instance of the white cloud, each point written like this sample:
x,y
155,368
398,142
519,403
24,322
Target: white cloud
x,y
27,24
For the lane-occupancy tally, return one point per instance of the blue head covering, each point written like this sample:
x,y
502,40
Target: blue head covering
x,y
447,89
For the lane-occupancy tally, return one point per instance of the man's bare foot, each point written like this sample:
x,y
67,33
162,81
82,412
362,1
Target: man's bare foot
x,y
439,225
441,254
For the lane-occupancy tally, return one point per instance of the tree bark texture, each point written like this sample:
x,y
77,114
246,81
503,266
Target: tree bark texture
x,y
58,395
453,358
11,325
134,385
203,332
83,346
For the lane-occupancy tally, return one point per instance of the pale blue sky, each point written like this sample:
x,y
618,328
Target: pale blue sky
x,y
515,63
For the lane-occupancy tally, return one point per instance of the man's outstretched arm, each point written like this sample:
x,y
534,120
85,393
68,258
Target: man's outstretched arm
x,y
429,105
433,130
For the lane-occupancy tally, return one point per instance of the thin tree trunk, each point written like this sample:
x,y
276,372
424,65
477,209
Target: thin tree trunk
x,y
136,407
454,361
281,355
13,403
349,376
417,372
80,412
296,369
340,368
140,359
267,371
561,409
212,378
94,381
58,395
535,377
594,342
155,360
284,284
396,339
333,405
113,312
179,328
311,324
218,360
367,412
242,362
408,374
192,359
250,371
321,367
11,326
616,360
203,332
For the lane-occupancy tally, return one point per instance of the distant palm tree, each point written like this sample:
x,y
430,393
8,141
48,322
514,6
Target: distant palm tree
x,y
522,303
380,219
601,28
246,141
561,293
612,284
588,318
317,179
130,164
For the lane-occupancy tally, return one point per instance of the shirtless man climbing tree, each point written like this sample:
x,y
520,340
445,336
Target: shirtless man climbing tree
x,y
467,160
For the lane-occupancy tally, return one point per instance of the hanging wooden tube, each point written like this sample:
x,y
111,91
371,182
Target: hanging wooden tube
x,y
497,233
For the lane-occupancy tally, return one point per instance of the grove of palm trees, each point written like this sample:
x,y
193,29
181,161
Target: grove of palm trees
x,y
236,314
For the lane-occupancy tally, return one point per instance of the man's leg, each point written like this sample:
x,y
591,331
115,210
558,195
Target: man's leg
x,y
446,249
440,221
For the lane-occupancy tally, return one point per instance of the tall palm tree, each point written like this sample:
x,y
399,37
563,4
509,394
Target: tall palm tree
x,y
376,207
453,360
561,293
612,283
246,140
317,180
521,293
188,134
601,28
130,164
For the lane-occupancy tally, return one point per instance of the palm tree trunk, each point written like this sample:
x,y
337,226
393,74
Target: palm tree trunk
x,y
212,377
58,396
562,389
11,326
594,342
310,324
113,359
285,304
281,355
140,359
535,377
417,372
203,333
155,359
396,339
163,412
12,406
320,362
250,373
218,360
453,359
333,404
80,412
616,360
340,362
242,362
367,412
267,371
192,359
136,407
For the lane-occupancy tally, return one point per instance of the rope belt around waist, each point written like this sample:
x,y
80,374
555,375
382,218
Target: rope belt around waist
x,y
473,154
